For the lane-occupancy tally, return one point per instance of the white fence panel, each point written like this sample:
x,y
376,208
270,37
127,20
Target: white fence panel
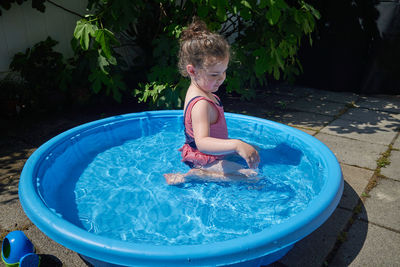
x,y
22,27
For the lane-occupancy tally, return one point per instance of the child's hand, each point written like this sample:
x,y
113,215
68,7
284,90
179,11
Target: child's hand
x,y
248,152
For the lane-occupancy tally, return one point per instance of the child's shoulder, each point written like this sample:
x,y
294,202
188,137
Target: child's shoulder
x,y
196,98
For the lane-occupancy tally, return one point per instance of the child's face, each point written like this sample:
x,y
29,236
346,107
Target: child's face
x,y
210,77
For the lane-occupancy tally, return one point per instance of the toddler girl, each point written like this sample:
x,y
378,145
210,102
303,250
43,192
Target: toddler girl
x,y
204,58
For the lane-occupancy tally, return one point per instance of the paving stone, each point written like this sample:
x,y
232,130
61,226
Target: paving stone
x,y
383,205
264,106
368,125
356,179
388,121
390,104
310,132
396,144
373,117
42,131
340,97
243,108
13,158
52,253
268,99
12,215
368,245
362,132
303,119
393,170
315,105
353,152
292,91
313,249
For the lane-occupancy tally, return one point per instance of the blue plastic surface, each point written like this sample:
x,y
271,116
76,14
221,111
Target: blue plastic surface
x,y
29,260
263,247
14,246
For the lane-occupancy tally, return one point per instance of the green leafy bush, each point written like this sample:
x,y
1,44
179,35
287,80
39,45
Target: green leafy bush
x,y
265,37
94,43
14,95
44,72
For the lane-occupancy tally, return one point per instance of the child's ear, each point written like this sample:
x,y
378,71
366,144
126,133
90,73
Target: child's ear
x,y
191,70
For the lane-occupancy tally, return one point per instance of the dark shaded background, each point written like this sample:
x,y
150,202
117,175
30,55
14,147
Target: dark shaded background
x,y
356,47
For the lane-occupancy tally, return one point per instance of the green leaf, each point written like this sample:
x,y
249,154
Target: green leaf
x,y
112,60
95,79
245,13
246,4
221,14
277,73
117,86
83,31
233,84
273,15
213,3
202,11
222,7
313,11
234,9
281,4
175,31
299,65
261,64
306,26
278,59
106,39
298,16
102,62
263,4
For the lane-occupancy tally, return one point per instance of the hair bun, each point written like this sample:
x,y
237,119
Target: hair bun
x,y
196,30
200,47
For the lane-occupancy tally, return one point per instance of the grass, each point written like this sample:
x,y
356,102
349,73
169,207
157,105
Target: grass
x,y
384,160
342,237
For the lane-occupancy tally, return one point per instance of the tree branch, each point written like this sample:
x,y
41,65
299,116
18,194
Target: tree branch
x,y
65,9
232,26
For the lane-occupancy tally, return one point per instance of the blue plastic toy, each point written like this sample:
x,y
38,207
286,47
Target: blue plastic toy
x,y
18,250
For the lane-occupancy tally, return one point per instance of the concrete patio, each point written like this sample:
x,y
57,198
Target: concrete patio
x,y
362,131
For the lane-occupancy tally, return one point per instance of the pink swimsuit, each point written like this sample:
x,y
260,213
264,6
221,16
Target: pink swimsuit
x,y
190,154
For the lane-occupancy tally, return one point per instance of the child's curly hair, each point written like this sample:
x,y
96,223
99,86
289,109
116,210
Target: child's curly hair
x,y
200,47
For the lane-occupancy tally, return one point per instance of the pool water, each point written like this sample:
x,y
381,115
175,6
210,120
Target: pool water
x,y
121,192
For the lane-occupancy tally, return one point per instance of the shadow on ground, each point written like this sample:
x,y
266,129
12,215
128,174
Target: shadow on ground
x,y
343,113
322,244
49,261
13,154
365,121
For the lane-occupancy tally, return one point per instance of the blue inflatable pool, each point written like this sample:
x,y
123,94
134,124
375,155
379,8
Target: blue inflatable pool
x,y
98,189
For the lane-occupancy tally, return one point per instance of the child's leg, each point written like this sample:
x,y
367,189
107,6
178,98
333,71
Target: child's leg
x,y
193,175
221,170
175,178
229,169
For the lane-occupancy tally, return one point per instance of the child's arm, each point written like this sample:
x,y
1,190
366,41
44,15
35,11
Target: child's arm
x,y
201,119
